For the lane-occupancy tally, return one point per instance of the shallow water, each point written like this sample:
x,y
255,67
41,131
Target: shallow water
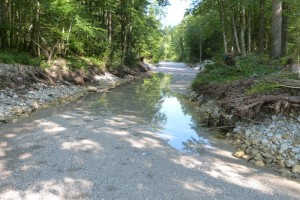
x,y
152,102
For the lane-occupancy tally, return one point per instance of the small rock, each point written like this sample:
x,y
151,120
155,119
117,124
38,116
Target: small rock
x,y
254,152
264,142
239,154
281,163
290,163
14,121
285,173
268,160
266,155
92,89
284,146
259,163
296,169
254,142
15,96
246,157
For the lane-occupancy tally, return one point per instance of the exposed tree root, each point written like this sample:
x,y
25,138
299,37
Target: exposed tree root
x,y
232,98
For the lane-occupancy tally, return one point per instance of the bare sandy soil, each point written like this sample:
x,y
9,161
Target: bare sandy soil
x,y
69,152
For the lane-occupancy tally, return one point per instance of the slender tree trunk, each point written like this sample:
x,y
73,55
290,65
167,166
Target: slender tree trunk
x,y
261,27
109,26
276,30
284,40
200,52
243,28
34,45
182,48
249,30
3,20
123,30
222,15
236,38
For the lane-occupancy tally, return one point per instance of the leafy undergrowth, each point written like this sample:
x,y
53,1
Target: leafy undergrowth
x,y
221,73
18,57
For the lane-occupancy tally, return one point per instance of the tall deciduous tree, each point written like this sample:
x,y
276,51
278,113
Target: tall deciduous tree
x,y
276,31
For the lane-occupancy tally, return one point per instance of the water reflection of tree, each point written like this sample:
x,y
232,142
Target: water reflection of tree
x,y
144,99
188,108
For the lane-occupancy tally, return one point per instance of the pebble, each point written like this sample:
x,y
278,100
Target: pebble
x,y
290,163
239,154
296,169
259,163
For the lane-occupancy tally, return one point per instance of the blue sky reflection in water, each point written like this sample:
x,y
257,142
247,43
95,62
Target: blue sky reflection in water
x,y
178,129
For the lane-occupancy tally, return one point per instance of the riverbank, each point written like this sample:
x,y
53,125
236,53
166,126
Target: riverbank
x,y
25,89
257,113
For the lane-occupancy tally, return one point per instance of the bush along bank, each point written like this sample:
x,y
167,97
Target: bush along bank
x,y
25,89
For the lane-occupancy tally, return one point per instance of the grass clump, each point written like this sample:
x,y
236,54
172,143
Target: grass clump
x,y
261,88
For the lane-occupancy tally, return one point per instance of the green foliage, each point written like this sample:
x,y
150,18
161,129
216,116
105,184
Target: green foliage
x,y
194,31
113,31
22,58
261,88
220,73
84,62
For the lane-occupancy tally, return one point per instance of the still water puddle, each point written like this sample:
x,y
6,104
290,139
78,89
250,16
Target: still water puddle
x,y
179,129
152,102
149,103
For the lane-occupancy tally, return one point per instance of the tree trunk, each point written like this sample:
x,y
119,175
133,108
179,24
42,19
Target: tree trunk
x,y
236,38
3,20
261,27
284,38
222,15
249,30
34,45
276,30
243,28
109,26
200,53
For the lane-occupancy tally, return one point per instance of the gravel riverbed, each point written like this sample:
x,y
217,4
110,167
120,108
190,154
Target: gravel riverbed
x,y
274,142
22,100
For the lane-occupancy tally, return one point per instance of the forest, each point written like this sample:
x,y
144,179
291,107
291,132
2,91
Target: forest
x,y
241,27
114,33
106,32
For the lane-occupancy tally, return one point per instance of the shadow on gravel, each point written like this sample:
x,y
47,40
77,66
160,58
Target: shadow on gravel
x,y
79,155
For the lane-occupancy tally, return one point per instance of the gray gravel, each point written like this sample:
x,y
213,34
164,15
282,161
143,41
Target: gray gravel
x,y
67,152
